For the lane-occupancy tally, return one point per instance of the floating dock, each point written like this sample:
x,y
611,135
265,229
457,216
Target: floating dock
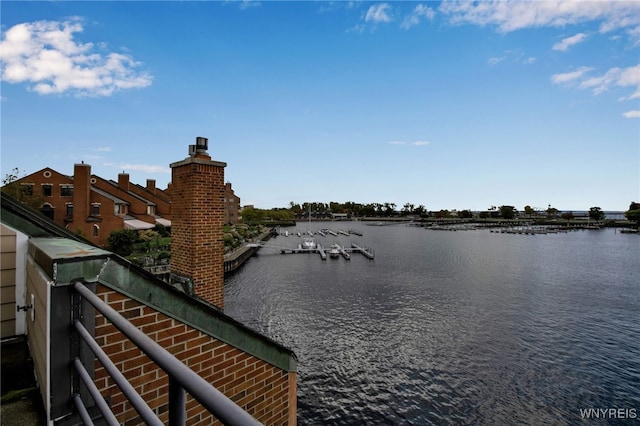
x,y
344,251
367,252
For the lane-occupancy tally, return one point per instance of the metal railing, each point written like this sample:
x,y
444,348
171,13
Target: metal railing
x,y
181,378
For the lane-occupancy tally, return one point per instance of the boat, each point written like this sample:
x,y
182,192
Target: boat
x,y
334,251
628,231
309,244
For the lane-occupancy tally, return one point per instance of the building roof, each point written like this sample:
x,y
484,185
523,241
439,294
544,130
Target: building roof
x,y
109,195
163,222
132,194
137,224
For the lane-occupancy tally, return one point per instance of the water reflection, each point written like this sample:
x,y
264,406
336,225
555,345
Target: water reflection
x,y
464,328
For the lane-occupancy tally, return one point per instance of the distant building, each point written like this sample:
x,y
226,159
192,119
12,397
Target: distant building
x,y
94,207
231,205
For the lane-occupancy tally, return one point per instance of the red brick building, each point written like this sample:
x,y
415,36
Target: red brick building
x,y
231,205
94,207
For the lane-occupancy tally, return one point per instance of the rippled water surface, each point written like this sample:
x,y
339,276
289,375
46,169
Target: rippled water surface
x,y
467,327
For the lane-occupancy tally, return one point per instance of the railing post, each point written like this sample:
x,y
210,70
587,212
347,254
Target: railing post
x,y
177,403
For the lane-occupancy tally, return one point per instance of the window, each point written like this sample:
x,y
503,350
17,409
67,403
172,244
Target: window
x,y
96,231
120,209
66,191
69,209
95,209
27,188
46,190
151,211
47,210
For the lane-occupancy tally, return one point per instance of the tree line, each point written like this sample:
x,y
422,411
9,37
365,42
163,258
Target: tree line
x,y
321,210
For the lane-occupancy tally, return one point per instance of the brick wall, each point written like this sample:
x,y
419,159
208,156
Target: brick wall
x,y
159,197
82,199
263,390
137,207
197,245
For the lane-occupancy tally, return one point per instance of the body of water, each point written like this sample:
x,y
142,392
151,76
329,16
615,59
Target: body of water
x,y
467,327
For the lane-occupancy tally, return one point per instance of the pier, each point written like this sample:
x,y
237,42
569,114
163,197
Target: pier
x,y
344,251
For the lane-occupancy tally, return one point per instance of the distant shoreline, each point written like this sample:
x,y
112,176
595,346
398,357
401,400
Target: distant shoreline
x,y
579,222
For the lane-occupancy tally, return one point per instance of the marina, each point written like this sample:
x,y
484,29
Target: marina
x,y
473,327
345,252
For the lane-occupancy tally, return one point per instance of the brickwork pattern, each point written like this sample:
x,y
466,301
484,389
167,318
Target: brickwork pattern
x,y
137,207
197,245
151,193
264,391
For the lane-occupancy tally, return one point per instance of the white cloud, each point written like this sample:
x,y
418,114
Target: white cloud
x,y
248,4
632,114
415,143
634,35
45,55
515,15
514,56
564,44
598,84
569,77
378,13
418,13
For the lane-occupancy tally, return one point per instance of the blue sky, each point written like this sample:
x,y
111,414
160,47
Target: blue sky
x,y
452,105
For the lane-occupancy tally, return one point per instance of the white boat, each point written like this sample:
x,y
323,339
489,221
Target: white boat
x,y
334,251
309,244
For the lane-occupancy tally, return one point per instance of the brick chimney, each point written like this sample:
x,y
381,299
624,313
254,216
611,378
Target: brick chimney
x,y
81,195
197,210
123,181
151,185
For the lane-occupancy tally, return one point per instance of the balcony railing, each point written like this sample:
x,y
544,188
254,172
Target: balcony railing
x,y
181,378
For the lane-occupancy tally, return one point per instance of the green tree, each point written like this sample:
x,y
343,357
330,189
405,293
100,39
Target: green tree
x,y
595,213
507,212
421,210
633,214
121,242
529,211
149,236
162,230
552,212
567,215
12,188
407,209
465,214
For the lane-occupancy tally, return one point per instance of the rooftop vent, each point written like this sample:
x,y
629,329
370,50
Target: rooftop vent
x,y
201,146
